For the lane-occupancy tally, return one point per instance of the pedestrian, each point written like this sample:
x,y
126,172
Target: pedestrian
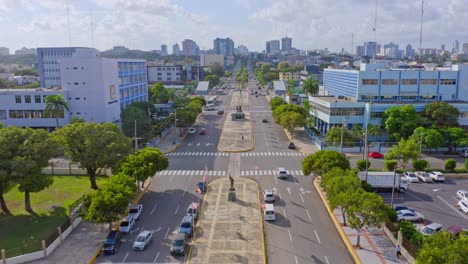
x,y
242,137
398,251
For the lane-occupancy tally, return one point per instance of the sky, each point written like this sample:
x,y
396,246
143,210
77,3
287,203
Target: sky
x,y
312,24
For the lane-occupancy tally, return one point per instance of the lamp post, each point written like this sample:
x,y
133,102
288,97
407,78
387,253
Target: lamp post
x,y
420,145
393,187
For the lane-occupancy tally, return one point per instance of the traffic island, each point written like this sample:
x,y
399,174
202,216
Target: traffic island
x,y
229,231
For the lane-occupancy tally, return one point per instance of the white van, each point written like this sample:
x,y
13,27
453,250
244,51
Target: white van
x,y
269,212
463,206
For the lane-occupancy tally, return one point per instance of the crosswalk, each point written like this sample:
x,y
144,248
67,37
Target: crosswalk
x,y
290,154
245,110
220,173
187,153
245,154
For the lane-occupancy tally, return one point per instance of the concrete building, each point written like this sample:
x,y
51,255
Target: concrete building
x,y
391,51
25,51
210,59
465,48
165,73
190,48
370,49
362,96
272,47
223,47
242,50
164,50
359,51
286,44
175,50
4,51
285,76
48,60
279,87
202,88
409,51
456,47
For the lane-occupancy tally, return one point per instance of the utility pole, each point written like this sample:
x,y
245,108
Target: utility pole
x,y
175,121
135,136
342,131
420,145
366,151
393,188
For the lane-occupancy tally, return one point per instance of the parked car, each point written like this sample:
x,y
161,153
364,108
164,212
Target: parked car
x,y
376,155
431,229
264,120
463,206
193,210
203,131
437,176
423,176
112,242
220,112
410,176
186,226
282,173
409,216
268,196
462,194
135,211
399,207
454,231
179,244
127,224
291,145
201,186
192,131
142,240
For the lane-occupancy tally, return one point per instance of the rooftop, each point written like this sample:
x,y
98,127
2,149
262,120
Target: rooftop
x,y
203,86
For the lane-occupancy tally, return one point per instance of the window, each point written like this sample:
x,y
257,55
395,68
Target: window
x,y
375,115
428,81
75,68
27,99
18,99
389,82
77,98
370,82
76,83
409,81
448,81
37,99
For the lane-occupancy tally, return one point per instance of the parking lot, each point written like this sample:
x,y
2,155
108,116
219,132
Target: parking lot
x,y
436,201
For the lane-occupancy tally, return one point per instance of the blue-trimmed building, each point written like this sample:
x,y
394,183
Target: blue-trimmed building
x,y
362,96
133,86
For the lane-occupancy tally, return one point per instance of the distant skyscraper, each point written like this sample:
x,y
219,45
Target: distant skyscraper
x,y
465,48
391,51
359,51
190,48
4,51
456,46
442,47
409,51
175,49
243,50
286,44
164,50
272,47
223,46
370,49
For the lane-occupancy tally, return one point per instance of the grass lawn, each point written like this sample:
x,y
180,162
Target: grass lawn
x,y
22,232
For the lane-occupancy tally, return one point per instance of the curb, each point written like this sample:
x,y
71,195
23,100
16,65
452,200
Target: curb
x,y
237,151
98,252
262,223
297,148
343,236
177,145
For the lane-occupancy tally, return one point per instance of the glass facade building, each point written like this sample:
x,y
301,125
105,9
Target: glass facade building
x,y
133,85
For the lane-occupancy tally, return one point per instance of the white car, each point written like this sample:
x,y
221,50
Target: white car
x,y
127,224
409,216
437,176
462,194
463,206
431,229
193,210
142,240
268,196
410,176
135,211
424,176
282,173
192,131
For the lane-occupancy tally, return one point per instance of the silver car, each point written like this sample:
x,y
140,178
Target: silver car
x,y
424,176
142,240
431,229
410,176
268,196
409,216
135,211
127,224
437,176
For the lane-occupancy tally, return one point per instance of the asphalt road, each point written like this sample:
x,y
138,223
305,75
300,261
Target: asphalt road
x,y
303,231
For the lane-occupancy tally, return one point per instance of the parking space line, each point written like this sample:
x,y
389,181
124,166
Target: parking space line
x,y
310,218
301,197
318,238
326,259
284,212
295,257
156,258
281,198
452,207
276,180
177,209
167,232
125,258
290,237
170,180
154,208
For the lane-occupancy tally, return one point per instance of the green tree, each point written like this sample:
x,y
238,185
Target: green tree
x,y
271,76
369,209
77,119
450,164
291,120
310,86
442,114
285,108
431,138
133,114
405,151
334,135
23,72
420,165
56,106
453,135
363,164
227,74
440,248
282,66
159,94
390,165
400,121
213,79
322,161
94,146
217,69
275,102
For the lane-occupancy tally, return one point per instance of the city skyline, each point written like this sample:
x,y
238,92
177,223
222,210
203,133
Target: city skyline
x,y
146,25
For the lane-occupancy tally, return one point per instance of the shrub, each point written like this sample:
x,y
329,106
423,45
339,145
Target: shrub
x,y
407,229
450,164
366,186
361,164
420,165
391,214
390,164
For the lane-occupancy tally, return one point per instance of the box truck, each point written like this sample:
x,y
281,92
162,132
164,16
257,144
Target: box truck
x,y
383,180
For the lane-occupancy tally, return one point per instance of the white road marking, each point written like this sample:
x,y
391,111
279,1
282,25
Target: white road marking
x,y
177,209
295,180
156,258
276,180
284,212
125,257
452,207
295,257
326,259
290,237
185,190
154,208
162,194
310,218
318,238
301,197
170,180
167,232
190,178
281,198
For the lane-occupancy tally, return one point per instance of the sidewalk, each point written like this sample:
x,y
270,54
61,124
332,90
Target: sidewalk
x,y
302,141
171,141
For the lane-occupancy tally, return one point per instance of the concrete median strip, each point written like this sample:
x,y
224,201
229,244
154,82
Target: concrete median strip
x,y
343,236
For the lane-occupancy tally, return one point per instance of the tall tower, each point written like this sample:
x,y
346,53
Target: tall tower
x,y
421,27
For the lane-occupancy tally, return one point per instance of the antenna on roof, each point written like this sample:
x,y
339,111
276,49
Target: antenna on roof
x,y
375,29
92,29
69,32
421,27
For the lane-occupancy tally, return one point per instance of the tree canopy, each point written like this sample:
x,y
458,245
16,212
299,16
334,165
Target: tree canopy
x,y
440,248
275,102
217,69
133,114
431,138
405,151
442,114
291,120
400,121
322,161
160,95
213,79
56,106
310,86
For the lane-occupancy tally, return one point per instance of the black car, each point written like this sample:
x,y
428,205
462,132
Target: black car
x,y
220,112
291,145
201,186
112,242
264,120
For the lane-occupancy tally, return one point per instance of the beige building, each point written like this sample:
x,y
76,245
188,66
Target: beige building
x,y
210,59
285,76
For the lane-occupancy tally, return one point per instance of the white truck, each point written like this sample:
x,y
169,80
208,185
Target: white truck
x,y
384,180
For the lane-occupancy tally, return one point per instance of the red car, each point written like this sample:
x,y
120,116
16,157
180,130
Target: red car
x,y
376,155
203,131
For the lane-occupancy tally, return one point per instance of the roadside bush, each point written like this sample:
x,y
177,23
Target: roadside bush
x,y
420,165
366,186
390,164
391,214
450,164
361,164
460,170
408,230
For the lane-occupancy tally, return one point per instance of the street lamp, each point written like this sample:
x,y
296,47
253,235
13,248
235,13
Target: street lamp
x,y
420,145
393,187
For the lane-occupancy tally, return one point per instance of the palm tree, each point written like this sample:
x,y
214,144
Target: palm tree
x,y
310,86
55,106
375,131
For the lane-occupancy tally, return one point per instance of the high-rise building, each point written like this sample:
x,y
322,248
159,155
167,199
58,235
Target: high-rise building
x,y
370,48
465,48
359,51
286,44
164,50
190,48
272,47
442,47
223,46
456,47
25,51
409,51
243,50
48,60
391,51
175,50
4,51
